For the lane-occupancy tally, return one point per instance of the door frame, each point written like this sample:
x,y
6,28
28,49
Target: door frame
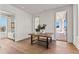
x,y
66,24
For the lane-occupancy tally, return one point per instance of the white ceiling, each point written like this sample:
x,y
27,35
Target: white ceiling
x,y
37,8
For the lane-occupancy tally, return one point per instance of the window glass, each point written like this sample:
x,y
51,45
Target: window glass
x,y
3,23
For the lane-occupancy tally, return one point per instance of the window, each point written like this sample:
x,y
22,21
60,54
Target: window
x,y
3,23
58,23
65,23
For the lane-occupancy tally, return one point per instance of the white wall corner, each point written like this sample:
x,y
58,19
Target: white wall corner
x,y
76,43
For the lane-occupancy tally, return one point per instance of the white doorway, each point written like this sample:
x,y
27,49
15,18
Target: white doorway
x,y
61,26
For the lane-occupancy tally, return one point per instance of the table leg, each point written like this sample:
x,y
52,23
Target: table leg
x,y
38,38
31,40
47,43
51,39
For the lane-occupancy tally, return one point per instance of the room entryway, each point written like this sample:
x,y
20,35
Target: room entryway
x,y
61,26
7,28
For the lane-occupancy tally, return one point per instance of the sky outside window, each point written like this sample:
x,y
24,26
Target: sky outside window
x,y
3,21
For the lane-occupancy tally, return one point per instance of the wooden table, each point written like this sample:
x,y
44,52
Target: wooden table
x,y
47,35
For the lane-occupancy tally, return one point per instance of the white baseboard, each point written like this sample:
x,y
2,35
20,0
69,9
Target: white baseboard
x,y
20,39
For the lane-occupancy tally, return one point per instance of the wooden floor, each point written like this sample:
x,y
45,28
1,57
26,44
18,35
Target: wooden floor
x,y
8,46
61,37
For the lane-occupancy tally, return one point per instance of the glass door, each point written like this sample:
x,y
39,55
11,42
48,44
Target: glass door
x,y
3,26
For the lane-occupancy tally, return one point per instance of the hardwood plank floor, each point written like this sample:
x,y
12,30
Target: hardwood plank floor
x,y
61,36
8,46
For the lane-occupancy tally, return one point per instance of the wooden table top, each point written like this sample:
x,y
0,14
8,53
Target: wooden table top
x,y
42,34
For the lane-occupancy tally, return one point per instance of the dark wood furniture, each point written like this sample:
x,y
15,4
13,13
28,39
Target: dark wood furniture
x,y
47,36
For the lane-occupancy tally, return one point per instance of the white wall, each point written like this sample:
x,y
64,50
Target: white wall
x,y
23,21
75,25
48,17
